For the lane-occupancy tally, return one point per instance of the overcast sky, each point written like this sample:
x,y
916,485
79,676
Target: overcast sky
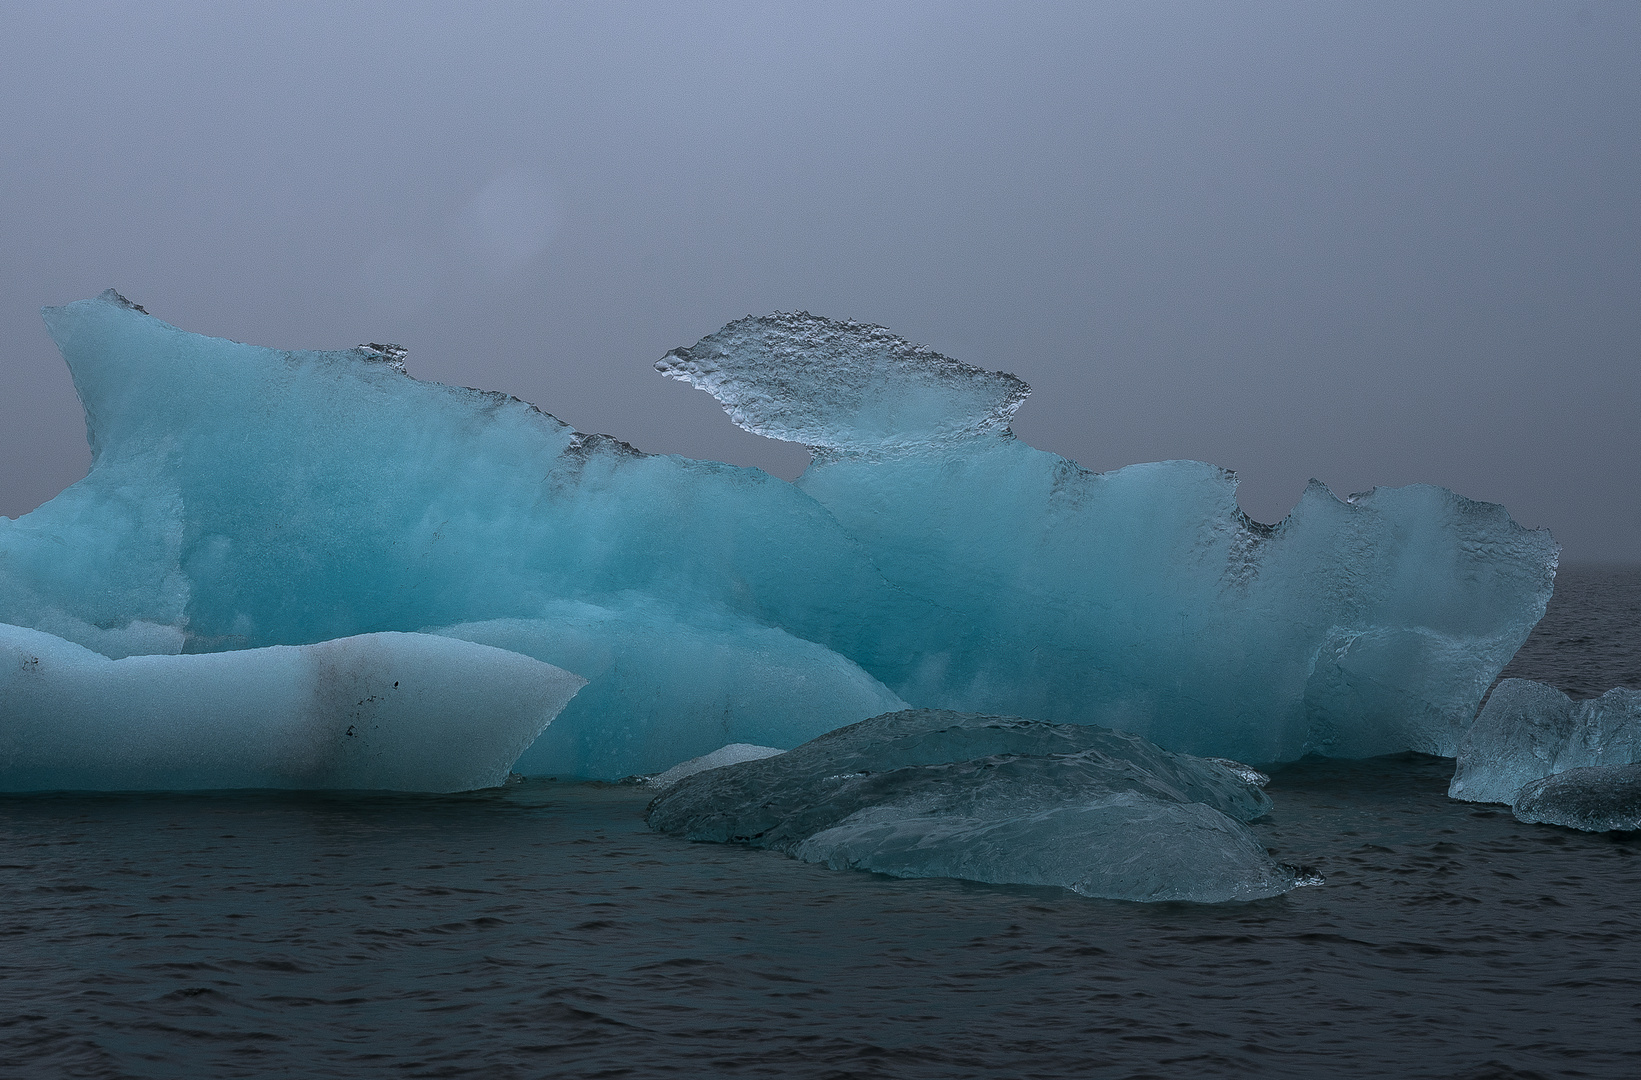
x,y
1372,243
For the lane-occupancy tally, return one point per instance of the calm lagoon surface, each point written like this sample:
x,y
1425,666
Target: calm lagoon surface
x,y
541,930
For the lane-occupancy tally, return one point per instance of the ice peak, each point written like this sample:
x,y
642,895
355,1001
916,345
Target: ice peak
x,y
112,296
391,355
844,386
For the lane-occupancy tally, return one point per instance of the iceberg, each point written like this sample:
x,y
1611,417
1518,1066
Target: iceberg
x,y
1593,798
407,712
243,497
929,793
1529,730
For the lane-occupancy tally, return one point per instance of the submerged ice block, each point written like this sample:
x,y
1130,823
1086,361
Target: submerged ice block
x,y
1530,730
242,497
406,712
923,793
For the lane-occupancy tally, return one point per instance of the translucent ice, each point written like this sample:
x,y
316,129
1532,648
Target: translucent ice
x,y
923,793
662,685
402,711
1596,798
1142,598
242,497
1529,730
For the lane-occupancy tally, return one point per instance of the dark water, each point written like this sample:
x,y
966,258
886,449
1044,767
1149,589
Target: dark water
x,y
1589,640
541,931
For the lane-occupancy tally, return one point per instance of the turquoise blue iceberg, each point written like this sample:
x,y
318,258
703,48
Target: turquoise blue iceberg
x,y
244,497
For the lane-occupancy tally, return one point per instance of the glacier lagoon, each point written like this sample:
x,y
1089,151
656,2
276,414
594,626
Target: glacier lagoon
x,y
156,934
242,498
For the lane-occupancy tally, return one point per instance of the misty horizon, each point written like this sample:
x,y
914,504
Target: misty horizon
x,y
1374,246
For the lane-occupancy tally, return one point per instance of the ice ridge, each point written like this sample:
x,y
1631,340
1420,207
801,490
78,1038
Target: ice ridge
x,y
242,497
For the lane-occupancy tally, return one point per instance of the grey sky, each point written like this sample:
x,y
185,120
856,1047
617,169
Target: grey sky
x,y
1374,243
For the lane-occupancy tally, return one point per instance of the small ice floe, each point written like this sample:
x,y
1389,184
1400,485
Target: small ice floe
x,y
930,793
1530,730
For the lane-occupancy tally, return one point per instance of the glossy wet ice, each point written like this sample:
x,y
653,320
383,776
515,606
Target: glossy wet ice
x,y
541,930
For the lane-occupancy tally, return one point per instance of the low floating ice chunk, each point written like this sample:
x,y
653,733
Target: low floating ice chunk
x,y
394,711
733,754
1530,730
1117,845
1596,798
928,793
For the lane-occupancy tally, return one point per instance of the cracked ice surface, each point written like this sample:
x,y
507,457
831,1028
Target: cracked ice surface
x,y
243,497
